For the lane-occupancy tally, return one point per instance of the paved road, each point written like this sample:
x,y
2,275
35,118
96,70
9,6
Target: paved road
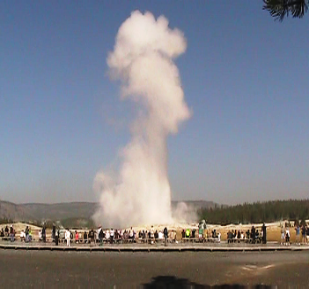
x,y
45,269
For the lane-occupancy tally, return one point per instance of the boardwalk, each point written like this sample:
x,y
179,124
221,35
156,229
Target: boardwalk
x,y
172,247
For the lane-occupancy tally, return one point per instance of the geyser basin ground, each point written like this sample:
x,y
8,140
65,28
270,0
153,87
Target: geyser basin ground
x,y
46,269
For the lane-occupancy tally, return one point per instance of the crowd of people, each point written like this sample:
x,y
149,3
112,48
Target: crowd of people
x,y
112,236
151,236
301,232
8,232
250,236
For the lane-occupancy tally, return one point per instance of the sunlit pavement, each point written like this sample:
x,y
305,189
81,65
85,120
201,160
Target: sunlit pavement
x,y
66,269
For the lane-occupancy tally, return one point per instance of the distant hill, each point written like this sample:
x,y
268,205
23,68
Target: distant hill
x,y
15,212
60,211
83,210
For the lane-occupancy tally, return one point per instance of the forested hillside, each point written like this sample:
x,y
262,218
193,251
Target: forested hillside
x,y
294,210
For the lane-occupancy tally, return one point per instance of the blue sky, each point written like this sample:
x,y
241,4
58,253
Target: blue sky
x,y
245,77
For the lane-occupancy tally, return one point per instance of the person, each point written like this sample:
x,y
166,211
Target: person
x,y
257,236
183,234
107,235
101,236
117,235
200,232
219,237
248,234
6,230
12,234
131,235
264,233
91,236
76,237
165,232
188,233
156,235
30,234
151,234
44,234
112,233
282,235
303,233
67,236
253,234
229,237
297,231
22,236
27,234
287,236
193,233
85,237
54,233
57,236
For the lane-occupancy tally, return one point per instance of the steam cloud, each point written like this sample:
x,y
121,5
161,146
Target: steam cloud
x,y
143,60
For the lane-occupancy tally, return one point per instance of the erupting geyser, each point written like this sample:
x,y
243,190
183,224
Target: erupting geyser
x,y
143,60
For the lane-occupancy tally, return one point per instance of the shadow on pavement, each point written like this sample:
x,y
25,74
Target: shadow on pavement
x,y
171,282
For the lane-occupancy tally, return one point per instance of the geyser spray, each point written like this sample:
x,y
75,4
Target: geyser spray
x,y
143,61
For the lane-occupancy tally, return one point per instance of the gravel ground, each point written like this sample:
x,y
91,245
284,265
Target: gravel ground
x,y
45,269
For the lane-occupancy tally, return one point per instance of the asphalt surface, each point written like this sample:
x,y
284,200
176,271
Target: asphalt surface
x,y
45,269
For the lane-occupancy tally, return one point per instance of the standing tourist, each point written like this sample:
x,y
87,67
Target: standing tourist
x,y
67,236
30,234
54,233
219,237
264,233
287,236
165,232
282,235
112,233
91,236
12,234
6,230
44,234
76,237
303,233
131,235
297,231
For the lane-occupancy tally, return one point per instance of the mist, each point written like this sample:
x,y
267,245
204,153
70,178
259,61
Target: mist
x,y
142,61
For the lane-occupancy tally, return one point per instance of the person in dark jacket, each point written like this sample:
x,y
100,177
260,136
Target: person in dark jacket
x,y
165,232
264,233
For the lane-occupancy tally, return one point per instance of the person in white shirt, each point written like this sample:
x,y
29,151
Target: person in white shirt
x,y
112,233
219,237
131,234
67,236
22,235
107,235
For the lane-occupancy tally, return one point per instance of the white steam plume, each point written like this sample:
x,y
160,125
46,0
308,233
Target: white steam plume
x,y
142,60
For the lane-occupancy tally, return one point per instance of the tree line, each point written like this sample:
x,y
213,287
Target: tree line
x,y
258,212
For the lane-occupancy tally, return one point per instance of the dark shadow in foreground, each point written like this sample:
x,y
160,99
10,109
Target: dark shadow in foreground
x,y
171,282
